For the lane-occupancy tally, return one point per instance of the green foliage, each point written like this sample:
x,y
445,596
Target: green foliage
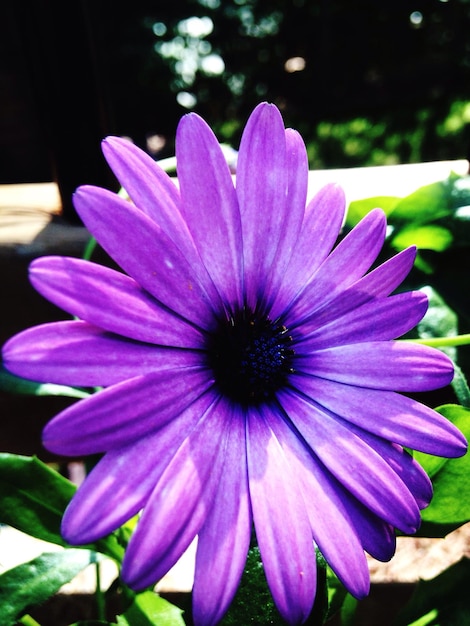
x,y
253,602
33,497
149,609
451,501
34,582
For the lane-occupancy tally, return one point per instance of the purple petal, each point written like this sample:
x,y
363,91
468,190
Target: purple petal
x,y
379,283
281,523
262,181
113,302
402,463
180,502
120,484
297,168
354,463
78,354
379,320
385,278
150,188
124,412
320,229
156,194
392,365
145,252
387,414
332,527
376,536
346,264
210,205
225,536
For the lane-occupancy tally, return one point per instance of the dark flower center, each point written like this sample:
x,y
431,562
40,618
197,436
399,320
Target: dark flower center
x,y
250,357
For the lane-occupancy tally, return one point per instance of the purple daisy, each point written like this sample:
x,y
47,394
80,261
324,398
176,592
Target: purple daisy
x,y
249,370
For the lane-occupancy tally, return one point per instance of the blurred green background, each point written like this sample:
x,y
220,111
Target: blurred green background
x,y
365,82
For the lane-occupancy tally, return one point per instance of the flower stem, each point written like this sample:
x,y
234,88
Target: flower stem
x,y
89,249
444,342
27,620
100,602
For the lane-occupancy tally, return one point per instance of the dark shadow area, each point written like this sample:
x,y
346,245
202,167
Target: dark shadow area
x,y
23,417
365,83
379,609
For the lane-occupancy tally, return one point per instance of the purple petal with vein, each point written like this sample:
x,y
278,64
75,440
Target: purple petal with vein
x,y
378,320
76,353
125,492
262,198
387,414
322,223
124,412
123,307
210,206
358,467
329,518
224,538
145,252
346,264
381,365
285,541
179,503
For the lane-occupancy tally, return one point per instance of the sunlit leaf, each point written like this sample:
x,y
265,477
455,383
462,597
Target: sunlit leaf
x,y
359,208
149,609
425,237
426,204
34,582
33,497
440,320
450,477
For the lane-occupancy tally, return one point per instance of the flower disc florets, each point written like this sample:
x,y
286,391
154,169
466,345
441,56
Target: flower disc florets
x,y
250,357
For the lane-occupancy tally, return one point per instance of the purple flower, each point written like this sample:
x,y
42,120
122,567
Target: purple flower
x,y
249,371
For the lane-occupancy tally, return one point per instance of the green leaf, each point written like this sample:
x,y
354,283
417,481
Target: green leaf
x,y
336,593
444,600
31,583
33,497
22,386
440,320
359,208
424,237
451,500
426,204
460,387
348,610
149,609
253,603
